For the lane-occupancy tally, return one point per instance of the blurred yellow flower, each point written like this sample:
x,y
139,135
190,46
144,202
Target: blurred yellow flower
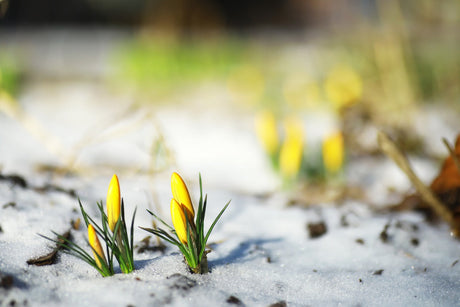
x,y
96,245
292,148
333,152
113,202
181,194
267,131
343,87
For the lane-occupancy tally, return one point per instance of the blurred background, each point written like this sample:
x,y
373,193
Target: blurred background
x,y
296,88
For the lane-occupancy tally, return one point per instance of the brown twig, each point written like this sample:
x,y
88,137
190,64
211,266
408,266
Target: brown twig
x,y
452,153
391,150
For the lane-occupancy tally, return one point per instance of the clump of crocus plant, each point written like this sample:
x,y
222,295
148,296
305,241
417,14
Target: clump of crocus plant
x,y
286,153
113,232
188,231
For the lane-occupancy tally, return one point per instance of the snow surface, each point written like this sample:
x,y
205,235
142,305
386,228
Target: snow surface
x,y
261,250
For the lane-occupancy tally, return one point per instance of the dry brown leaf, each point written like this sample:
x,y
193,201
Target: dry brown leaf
x,y
49,258
449,176
447,186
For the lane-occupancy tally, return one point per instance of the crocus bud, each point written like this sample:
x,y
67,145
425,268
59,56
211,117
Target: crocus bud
x,y
96,245
333,152
292,149
113,202
181,194
179,220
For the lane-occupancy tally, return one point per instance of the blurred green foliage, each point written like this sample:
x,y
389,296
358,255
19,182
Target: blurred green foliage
x,y
437,69
161,67
9,75
406,55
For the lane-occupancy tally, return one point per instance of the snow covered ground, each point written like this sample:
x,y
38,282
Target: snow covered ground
x,y
262,253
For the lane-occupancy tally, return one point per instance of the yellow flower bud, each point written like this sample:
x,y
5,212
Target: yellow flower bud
x,y
96,245
113,202
181,194
292,149
179,220
333,152
267,132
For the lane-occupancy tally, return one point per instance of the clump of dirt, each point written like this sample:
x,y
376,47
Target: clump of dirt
x,y
145,245
316,230
233,300
181,283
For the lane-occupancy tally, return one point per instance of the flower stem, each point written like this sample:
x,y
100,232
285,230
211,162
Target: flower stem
x,y
202,267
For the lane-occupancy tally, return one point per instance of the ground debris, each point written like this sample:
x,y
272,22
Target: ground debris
x,y
378,272
6,281
257,249
181,282
384,237
313,194
14,179
442,197
11,204
50,258
234,300
316,230
75,224
279,304
18,180
55,188
145,245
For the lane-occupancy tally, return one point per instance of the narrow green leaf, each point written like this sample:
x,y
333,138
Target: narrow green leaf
x,y
158,218
214,223
131,246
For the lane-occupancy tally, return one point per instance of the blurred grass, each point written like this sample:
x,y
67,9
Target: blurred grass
x,y
425,71
9,75
161,67
404,56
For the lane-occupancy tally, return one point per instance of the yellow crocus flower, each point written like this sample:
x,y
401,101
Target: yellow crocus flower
x,y
113,202
333,152
292,149
267,132
179,221
181,194
96,245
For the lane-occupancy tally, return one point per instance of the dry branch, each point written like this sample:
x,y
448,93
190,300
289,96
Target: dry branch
x,y
391,150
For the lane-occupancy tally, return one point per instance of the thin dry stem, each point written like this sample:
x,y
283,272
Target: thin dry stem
x,y
391,150
12,109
